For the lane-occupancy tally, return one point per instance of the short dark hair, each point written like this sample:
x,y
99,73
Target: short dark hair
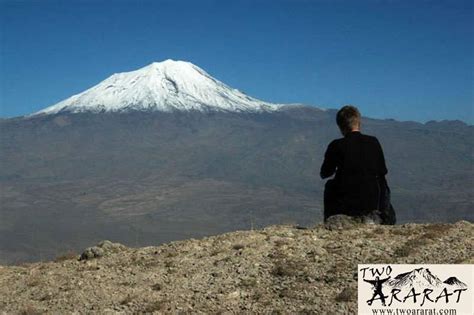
x,y
348,118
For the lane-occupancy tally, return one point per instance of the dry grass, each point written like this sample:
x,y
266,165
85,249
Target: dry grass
x,y
151,263
401,232
334,273
223,260
70,255
155,306
438,227
30,310
410,246
437,230
92,266
430,232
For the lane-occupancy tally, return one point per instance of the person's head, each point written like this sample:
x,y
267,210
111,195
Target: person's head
x,y
348,119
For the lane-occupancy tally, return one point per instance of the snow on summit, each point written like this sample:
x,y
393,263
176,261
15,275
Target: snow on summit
x,y
162,86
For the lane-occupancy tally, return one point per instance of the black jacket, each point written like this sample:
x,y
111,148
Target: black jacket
x,y
359,164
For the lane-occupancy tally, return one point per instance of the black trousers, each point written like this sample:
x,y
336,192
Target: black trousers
x,y
332,200
333,204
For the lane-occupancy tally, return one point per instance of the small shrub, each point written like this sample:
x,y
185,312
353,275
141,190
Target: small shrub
x,y
33,280
215,252
284,270
238,246
281,242
378,231
248,282
156,287
151,263
402,252
346,295
172,253
257,295
287,293
128,299
46,297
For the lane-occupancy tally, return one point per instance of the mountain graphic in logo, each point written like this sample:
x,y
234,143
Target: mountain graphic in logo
x,y
417,278
455,282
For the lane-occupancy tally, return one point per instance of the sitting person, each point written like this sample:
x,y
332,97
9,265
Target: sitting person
x,y
359,188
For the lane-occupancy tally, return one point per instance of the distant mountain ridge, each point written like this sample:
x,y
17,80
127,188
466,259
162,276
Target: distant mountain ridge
x,y
160,86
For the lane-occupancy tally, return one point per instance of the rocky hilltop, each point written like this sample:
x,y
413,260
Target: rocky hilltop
x,y
279,269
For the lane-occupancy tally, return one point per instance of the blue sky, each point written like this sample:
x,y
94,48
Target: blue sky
x,y
407,60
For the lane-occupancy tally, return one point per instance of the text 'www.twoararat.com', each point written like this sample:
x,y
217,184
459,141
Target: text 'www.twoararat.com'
x,y
401,311
415,289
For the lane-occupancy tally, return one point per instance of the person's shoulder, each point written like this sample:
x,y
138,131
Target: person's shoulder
x,y
336,142
334,145
370,138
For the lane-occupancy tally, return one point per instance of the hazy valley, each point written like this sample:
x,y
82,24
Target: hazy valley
x,y
69,180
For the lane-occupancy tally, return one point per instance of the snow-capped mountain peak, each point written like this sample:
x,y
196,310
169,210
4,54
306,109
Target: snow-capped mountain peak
x,y
421,277
162,86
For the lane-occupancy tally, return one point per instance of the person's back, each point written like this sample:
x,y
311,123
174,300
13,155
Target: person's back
x,y
359,165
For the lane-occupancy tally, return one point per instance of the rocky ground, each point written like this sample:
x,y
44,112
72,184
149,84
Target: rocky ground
x,y
277,270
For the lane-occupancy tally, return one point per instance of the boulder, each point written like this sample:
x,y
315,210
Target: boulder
x,y
104,248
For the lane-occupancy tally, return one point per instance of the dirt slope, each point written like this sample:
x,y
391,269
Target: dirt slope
x,y
280,269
